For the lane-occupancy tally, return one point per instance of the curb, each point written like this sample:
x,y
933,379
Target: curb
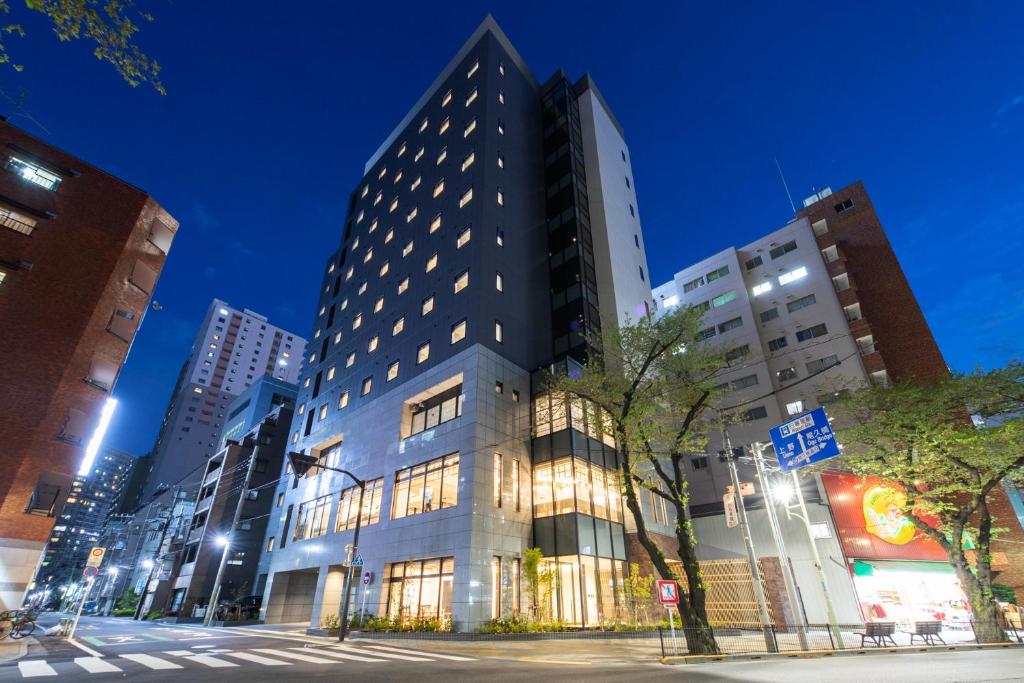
x,y
817,654
22,651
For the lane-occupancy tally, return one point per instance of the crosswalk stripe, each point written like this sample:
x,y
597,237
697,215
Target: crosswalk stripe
x,y
179,653
388,655
36,667
249,657
454,658
345,655
210,661
152,662
295,655
95,665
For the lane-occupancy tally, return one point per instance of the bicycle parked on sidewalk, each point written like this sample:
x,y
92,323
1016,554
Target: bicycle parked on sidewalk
x,y
18,623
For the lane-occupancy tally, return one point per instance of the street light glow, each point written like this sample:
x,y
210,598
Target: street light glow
x,y
97,436
221,540
147,564
783,492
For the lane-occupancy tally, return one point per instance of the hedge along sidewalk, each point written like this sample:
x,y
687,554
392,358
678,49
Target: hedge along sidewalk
x,y
674,660
645,648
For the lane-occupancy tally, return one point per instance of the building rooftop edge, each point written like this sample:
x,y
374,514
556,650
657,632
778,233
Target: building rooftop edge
x,y
488,24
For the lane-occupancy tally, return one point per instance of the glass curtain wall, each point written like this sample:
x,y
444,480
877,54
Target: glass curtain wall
x,y
582,590
575,485
420,589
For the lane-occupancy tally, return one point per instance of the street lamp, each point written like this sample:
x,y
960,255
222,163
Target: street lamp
x,y
221,541
149,565
301,465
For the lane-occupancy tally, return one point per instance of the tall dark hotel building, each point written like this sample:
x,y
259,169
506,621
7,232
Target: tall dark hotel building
x,y
493,228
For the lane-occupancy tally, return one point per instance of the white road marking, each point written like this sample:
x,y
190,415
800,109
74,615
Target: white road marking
x,y
454,658
36,667
345,655
179,653
202,647
388,655
95,665
249,657
83,648
295,655
210,661
152,662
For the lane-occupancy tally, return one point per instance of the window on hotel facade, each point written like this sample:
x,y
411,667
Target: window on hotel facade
x,y
416,183
444,125
553,412
421,589
499,332
812,333
384,268
782,250
378,305
398,326
463,239
19,222
468,161
471,97
717,274
371,345
367,386
427,306
516,497
438,409
499,281
723,299
392,372
407,249
312,518
343,401
575,485
435,223
439,188
349,501
458,332
403,285
441,156
802,302
466,197
427,487
461,281
419,153
470,127
431,263
498,477
422,352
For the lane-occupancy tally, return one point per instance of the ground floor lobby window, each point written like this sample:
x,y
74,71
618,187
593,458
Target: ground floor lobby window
x,y
582,590
420,589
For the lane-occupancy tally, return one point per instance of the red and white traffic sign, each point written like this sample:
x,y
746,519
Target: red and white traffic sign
x,y
95,557
668,592
90,571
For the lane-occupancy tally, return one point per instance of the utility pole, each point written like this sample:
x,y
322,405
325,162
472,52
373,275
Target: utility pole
x,y
837,635
215,594
755,574
780,544
159,546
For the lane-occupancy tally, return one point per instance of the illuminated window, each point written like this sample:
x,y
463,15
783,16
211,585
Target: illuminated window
x,y
466,197
424,123
350,272
350,359
407,249
343,401
383,172
357,321
446,99
373,226
468,161
473,69
762,288
355,243
393,206
419,153
337,338
367,386
398,177
499,332
793,276
330,373
384,268
501,161
389,235
501,128
403,285
343,305
444,125
416,183
461,281
501,197
435,224
471,97
458,332
470,127
723,299
378,198
500,237
412,214
431,262
398,326
442,155
426,487
439,188
378,305
499,281
795,407
371,346
501,68
401,150
422,352
323,412
392,372
349,504
302,408
501,97
463,239
366,190
427,306
498,472
368,256
362,288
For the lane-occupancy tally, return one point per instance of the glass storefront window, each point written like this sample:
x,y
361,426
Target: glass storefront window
x,y
581,590
420,589
350,500
427,487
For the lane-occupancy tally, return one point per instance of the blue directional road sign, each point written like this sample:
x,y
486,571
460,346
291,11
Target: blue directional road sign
x,y
804,440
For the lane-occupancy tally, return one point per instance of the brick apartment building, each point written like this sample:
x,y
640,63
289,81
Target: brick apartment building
x,y
80,254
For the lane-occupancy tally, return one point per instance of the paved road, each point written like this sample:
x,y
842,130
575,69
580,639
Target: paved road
x,y
119,649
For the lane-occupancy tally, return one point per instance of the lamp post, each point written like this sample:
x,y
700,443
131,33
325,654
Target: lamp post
x,y
150,565
301,465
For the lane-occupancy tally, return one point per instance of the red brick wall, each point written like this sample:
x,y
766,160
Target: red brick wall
x,y
53,317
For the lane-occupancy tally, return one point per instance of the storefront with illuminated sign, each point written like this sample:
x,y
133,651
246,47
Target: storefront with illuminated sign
x,y
899,574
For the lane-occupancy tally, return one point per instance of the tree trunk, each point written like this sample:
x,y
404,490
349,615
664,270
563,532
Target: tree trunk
x,y
699,636
986,624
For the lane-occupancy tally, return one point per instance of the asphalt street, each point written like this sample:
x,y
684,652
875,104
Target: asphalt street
x,y
107,649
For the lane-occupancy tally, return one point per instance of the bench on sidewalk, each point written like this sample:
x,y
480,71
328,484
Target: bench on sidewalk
x,y
927,631
878,632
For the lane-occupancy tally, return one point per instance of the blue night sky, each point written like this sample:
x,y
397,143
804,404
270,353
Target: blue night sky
x,y
272,112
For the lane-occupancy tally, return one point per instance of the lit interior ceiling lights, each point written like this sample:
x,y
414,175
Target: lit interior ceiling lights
x,y
97,436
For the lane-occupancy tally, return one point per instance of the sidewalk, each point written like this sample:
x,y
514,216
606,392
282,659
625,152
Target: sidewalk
x,y
576,651
11,650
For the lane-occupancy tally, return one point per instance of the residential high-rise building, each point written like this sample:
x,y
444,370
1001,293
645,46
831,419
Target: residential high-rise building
x,y
493,231
80,254
232,350
78,528
254,403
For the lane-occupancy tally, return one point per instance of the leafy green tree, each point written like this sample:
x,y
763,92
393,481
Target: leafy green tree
x,y
531,570
657,384
109,24
920,435
639,592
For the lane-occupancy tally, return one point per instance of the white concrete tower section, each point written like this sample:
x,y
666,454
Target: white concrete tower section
x,y
624,288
